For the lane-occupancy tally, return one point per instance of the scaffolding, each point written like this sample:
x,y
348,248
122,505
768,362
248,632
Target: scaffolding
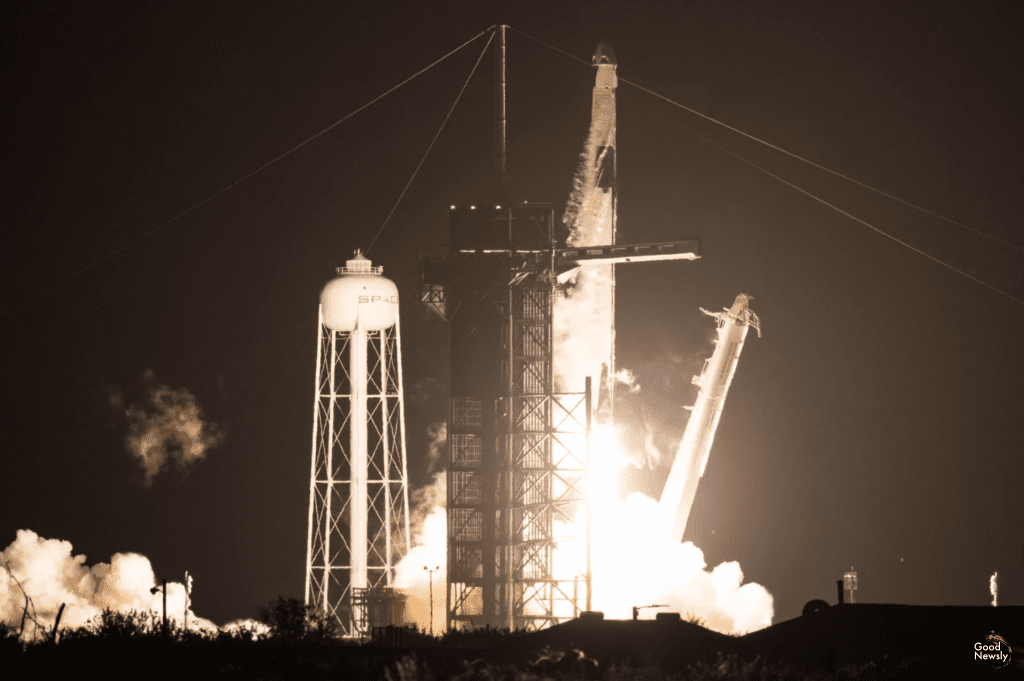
x,y
542,492
516,466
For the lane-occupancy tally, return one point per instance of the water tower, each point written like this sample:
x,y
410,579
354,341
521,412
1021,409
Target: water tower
x,y
358,485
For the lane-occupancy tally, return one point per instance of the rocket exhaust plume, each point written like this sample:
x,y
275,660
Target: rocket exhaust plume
x,y
634,560
167,427
43,574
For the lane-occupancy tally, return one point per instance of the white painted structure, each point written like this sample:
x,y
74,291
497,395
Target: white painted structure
x,y
591,218
358,487
692,455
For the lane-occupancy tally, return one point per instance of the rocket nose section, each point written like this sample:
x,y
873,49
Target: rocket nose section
x,y
604,54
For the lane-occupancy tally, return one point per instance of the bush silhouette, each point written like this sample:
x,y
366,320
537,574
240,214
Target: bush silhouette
x,y
292,620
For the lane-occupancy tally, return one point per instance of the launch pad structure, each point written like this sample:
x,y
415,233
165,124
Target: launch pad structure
x,y
517,454
518,507
517,449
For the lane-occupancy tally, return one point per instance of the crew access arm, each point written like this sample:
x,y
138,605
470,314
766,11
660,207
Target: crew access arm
x,y
692,455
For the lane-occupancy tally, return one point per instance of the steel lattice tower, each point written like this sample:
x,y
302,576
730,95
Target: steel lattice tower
x,y
516,487
544,476
516,468
358,488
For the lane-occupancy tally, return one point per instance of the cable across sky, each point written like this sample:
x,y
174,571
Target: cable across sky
x,y
490,30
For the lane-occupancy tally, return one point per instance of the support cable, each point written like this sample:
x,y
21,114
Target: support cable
x,y
788,153
803,191
431,145
259,348
866,224
263,167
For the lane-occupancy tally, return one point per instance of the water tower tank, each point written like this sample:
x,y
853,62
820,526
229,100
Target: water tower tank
x,y
359,292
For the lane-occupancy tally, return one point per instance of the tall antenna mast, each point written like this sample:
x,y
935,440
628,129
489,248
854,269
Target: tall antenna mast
x,y
501,175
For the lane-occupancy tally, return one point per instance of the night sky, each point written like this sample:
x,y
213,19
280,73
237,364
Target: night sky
x,y
875,424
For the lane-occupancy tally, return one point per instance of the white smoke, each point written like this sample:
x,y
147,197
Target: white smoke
x,y
586,210
248,628
583,309
636,566
429,527
437,434
42,574
167,427
430,551
583,317
627,380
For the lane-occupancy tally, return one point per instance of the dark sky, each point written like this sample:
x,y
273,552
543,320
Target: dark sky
x,y
875,425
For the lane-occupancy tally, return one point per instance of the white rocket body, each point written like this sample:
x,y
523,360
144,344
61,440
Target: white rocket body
x,y
593,224
692,455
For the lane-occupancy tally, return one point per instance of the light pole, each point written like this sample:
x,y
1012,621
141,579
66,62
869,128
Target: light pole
x,y
164,589
436,569
188,596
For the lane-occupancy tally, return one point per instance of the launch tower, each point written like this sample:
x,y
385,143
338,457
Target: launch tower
x,y
516,481
358,486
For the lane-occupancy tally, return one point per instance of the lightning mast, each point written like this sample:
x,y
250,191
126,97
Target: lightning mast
x,y
358,485
692,455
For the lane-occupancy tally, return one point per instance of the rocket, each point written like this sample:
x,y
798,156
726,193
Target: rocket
x,y
602,134
602,117
594,224
692,455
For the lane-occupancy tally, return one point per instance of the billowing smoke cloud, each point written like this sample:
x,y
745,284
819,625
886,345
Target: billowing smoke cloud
x,y
167,427
636,566
49,575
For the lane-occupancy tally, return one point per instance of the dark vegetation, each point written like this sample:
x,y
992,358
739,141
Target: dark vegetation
x,y
301,644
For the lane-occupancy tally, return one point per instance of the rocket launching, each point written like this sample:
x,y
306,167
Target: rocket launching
x,y
495,574
692,455
590,216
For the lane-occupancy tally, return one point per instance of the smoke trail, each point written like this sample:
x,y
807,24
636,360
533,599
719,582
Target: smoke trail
x,y
167,427
586,209
583,318
580,187
50,575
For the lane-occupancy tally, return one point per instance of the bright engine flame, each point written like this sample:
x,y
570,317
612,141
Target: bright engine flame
x,y
633,564
632,561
